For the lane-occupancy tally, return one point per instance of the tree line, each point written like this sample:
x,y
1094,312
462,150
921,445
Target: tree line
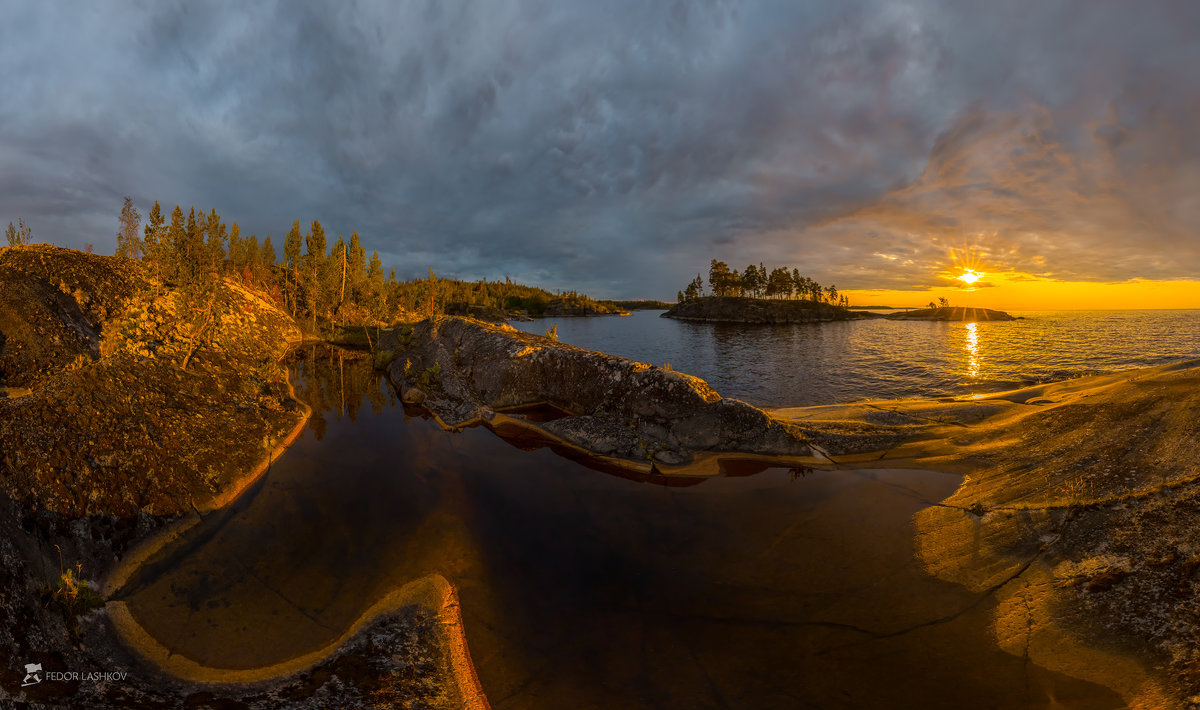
x,y
759,282
319,284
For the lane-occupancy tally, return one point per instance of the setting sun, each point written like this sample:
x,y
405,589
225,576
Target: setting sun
x,y
969,276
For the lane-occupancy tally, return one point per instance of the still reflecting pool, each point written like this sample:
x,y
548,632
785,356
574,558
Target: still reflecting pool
x,y
769,588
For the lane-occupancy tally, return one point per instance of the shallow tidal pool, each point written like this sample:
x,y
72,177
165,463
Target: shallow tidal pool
x,y
762,588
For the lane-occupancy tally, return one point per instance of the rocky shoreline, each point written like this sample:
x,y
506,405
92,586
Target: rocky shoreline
x,y
109,450
467,372
1075,516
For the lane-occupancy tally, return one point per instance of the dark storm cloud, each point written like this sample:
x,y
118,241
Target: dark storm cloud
x,y
616,147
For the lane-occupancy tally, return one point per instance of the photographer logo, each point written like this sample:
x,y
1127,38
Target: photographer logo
x,y
33,674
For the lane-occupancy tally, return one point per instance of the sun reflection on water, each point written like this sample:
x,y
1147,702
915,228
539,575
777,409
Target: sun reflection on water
x,y
972,343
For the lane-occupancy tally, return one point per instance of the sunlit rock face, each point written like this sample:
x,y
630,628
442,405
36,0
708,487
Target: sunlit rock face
x,y
99,416
464,371
733,309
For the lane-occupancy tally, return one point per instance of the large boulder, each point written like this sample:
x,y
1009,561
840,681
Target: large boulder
x,y
464,371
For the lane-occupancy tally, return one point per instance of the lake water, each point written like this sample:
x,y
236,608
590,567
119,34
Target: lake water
x,y
764,588
825,363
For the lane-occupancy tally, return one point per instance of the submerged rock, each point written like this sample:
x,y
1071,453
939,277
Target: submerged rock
x,y
465,371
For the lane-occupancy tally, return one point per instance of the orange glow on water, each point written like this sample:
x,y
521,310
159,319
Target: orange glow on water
x,y
1013,291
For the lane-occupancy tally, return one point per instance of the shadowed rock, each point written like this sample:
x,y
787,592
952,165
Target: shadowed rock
x,y
465,371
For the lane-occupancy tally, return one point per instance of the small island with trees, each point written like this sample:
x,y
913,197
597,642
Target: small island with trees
x,y
759,295
943,311
782,295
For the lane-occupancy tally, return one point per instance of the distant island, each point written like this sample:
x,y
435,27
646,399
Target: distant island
x,y
759,295
757,282
741,309
948,313
640,305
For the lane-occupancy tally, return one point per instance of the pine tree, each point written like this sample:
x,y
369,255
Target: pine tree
x,y
752,280
237,249
335,275
357,274
128,244
215,248
265,273
266,254
152,241
248,255
174,246
190,257
719,278
314,270
291,253
376,288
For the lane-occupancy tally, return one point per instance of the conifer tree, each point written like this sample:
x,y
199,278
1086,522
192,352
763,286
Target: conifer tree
x,y
174,246
128,244
265,271
248,254
237,249
719,278
375,285
152,241
357,274
190,257
335,275
291,253
266,254
314,270
751,280
215,249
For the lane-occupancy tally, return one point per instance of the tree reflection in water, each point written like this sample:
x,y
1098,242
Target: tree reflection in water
x,y
336,381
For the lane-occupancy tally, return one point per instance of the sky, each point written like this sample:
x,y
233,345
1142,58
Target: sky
x,y
616,147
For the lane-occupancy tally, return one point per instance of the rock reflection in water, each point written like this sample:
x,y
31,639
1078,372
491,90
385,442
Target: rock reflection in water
x,y
758,589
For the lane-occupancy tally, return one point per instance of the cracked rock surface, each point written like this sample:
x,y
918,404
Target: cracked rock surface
x,y
465,371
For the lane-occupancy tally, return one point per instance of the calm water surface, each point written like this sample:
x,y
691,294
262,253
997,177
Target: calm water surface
x,y
824,363
765,588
